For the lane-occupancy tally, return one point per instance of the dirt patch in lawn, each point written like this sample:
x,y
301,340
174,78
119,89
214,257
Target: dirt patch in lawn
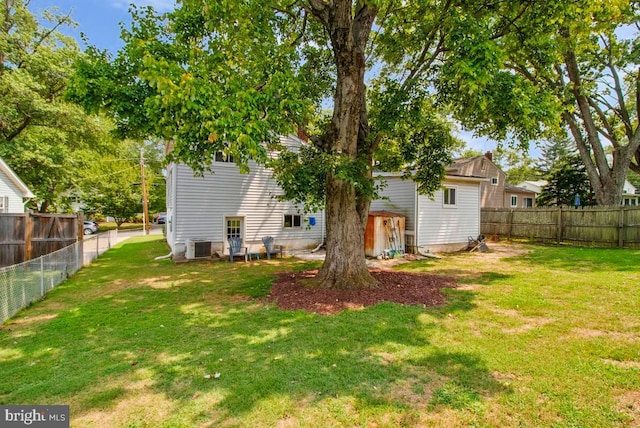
x,y
289,292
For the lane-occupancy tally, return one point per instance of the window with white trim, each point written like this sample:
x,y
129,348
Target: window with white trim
x,y
449,196
221,157
4,204
514,201
292,220
527,203
494,181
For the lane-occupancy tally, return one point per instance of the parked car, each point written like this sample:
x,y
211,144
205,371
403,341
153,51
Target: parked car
x,y
161,219
90,227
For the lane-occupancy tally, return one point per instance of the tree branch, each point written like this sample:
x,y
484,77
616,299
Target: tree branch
x,y
573,72
46,34
622,107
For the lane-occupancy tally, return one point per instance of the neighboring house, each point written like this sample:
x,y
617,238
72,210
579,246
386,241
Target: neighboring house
x,y
630,195
518,197
534,186
444,223
496,192
13,191
206,211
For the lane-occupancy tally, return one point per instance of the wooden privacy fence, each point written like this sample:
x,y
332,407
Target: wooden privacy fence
x,y
28,236
602,226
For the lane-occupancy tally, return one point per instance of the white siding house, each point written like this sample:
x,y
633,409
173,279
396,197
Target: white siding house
x,y
13,191
630,195
226,203
444,223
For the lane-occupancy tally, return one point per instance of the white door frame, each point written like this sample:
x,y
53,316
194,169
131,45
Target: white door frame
x,y
227,230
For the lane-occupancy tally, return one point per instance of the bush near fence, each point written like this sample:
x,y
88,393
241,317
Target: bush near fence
x,y
601,226
24,283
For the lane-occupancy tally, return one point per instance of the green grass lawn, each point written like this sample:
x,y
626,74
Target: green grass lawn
x,y
548,338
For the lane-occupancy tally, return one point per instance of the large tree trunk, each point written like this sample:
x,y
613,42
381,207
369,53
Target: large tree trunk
x,y
345,264
607,181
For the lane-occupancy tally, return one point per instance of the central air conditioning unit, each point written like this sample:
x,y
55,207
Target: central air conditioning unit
x,y
198,249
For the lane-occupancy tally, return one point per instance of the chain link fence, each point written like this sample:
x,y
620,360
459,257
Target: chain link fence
x,y
25,283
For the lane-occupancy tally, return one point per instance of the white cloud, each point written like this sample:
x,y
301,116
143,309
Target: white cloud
x,y
159,5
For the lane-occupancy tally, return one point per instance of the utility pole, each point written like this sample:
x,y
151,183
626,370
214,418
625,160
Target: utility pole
x,y
145,199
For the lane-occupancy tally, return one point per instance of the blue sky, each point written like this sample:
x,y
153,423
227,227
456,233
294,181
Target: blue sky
x,y
100,21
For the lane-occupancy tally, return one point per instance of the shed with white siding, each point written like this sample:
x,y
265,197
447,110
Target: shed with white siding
x,y
13,191
444,223
226,203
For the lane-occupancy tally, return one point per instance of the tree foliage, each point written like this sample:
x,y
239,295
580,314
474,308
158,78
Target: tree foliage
x,y
232,76
112,186
566,179
43,137
582,58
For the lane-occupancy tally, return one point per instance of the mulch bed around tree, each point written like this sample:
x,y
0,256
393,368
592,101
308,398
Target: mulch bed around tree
x,y
399,287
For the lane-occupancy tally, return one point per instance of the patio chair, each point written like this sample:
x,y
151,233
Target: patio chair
x,y
270,247
236,249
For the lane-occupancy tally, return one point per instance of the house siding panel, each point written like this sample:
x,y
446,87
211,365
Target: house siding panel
x,y
201,205
402,200
443,225
13,194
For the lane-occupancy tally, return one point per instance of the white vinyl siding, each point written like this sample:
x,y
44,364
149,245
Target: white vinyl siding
x,y
10,195
439,226
402,200
433,223
201,204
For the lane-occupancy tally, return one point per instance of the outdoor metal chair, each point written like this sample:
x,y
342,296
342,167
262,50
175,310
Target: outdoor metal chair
x,y
236,249
271,248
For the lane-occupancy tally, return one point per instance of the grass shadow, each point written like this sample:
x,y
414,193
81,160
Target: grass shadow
x,y
133,328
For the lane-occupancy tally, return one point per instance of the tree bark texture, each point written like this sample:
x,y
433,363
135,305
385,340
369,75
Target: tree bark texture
x,y
346,210
607,180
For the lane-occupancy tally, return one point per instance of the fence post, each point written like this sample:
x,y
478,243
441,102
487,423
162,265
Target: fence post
x,y
510,223
621,228
559,226
28,237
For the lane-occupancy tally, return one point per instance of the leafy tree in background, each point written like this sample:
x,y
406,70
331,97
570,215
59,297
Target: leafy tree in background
x,y
112,185
44,138
634,179
586,62
566,179
516,163
232,77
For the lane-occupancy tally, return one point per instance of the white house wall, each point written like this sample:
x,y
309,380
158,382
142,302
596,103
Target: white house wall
x,y
401,196
436,227
201,204
13,194
442,225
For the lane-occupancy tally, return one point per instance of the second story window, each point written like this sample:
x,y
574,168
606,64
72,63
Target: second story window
x,y
221,157
494,181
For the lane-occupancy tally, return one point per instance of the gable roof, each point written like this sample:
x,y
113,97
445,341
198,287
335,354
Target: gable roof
x,y
512,188
4,168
